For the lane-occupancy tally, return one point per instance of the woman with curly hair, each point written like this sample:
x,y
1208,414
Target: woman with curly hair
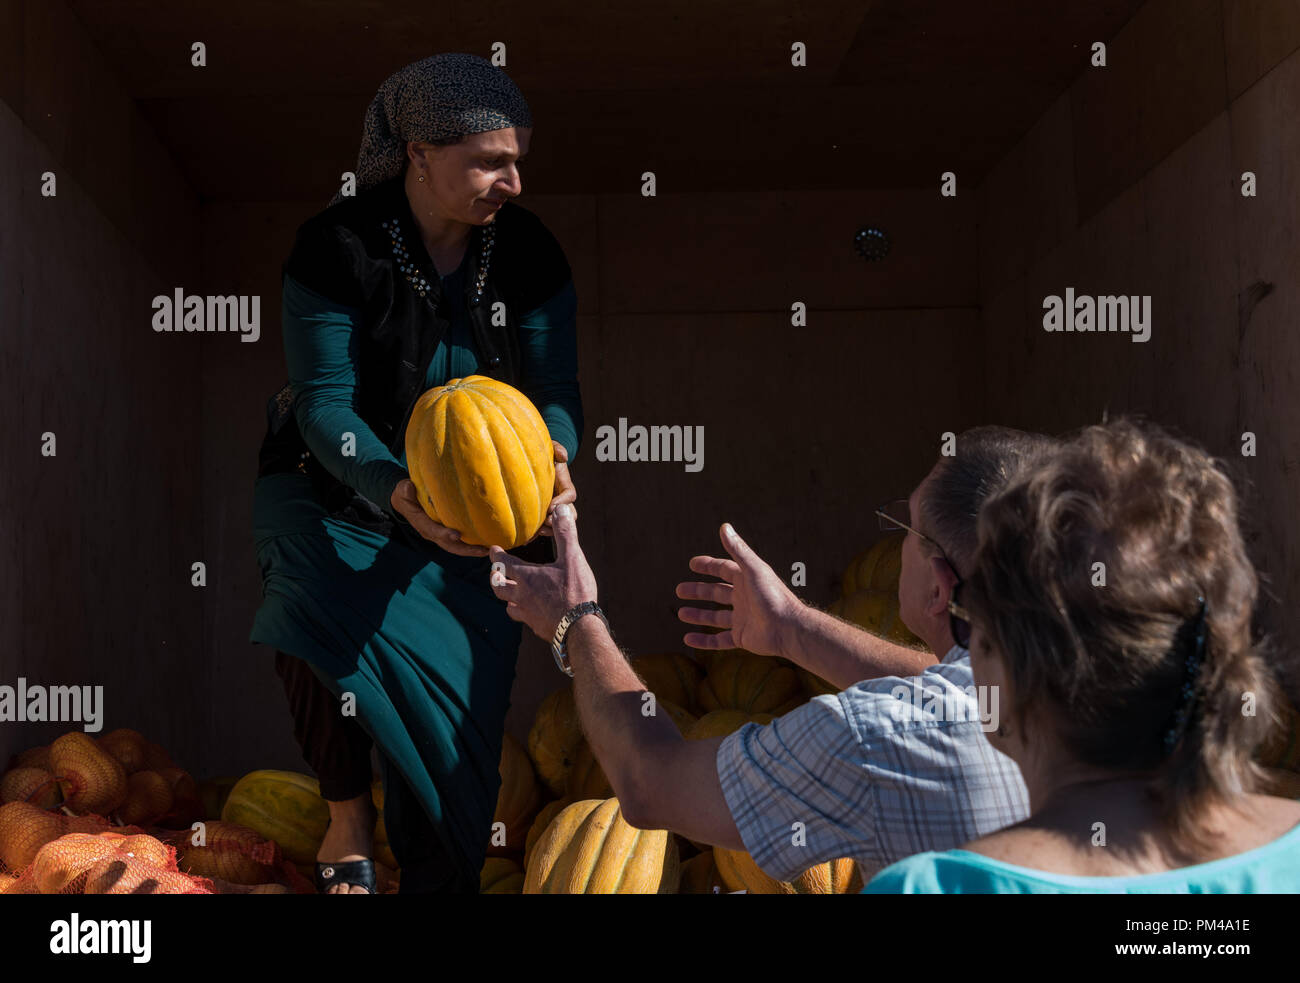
x,y
1111,604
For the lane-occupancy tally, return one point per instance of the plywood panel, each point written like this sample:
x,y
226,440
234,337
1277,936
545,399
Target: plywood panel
x,y
1258,34
101,535
1028,202
1265,127
705,95
752,252
1164,80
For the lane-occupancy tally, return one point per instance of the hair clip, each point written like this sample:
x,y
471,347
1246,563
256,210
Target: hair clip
x,y
1191,673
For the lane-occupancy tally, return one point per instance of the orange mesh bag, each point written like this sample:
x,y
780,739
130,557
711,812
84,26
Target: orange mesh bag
x,y
129,748
92,779
33,757
127,875
149,797
25,828
107,863
187,803
28,784
237,860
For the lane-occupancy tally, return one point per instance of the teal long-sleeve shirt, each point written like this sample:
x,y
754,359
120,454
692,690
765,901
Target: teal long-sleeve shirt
x,y
320,347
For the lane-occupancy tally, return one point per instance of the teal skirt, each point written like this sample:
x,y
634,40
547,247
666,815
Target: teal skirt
x,y
419,639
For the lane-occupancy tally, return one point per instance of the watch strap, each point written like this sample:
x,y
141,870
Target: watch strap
x,y
562,631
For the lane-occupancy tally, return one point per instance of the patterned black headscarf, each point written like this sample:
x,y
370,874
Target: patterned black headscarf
x,y
437,98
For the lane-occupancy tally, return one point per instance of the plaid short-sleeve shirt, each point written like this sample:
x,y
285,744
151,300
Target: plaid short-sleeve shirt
x,y
886,769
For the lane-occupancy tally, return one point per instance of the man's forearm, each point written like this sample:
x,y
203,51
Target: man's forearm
x,y
844,654
624,736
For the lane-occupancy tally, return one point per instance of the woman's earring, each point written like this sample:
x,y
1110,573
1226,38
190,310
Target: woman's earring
x,y
421,177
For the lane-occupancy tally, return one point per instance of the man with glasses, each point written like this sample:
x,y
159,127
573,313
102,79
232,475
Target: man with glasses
x,y
869,773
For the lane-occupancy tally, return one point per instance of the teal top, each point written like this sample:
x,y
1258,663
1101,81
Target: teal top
x,y
320,349
1273,868
415,633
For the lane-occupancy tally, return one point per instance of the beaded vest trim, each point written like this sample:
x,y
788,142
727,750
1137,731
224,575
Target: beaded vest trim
x,y
411,269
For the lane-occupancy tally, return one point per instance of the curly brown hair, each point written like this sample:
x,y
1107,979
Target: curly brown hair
x,y
1106,664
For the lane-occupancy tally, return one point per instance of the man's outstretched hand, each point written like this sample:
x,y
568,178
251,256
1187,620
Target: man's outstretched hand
x,y
759,609
538,594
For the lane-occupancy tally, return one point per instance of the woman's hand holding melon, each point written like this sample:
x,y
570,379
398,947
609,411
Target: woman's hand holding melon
x,y
564,494
406,501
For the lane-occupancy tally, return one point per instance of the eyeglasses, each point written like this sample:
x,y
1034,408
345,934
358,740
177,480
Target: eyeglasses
x,y
958,619
890,522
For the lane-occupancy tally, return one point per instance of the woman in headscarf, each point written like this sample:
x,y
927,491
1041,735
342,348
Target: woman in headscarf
x,y
385,626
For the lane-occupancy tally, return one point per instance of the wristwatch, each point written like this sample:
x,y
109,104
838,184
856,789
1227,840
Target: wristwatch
x,y
570,616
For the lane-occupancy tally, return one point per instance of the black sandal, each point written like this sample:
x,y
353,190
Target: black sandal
x,y
358,872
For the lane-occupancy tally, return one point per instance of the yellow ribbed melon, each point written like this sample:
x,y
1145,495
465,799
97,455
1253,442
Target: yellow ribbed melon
x,y
543,820
700,876
670,676
590,849
481,460
877,612
518,799
500,875
554,738
739,680
739,873
283,806
877,568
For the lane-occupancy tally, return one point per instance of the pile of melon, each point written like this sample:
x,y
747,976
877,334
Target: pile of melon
x,y
116,815
575,840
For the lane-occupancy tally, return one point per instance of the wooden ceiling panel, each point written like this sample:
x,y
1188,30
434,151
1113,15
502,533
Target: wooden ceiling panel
x,y
895,92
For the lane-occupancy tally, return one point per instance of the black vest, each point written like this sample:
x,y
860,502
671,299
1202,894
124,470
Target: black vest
x,y
353,253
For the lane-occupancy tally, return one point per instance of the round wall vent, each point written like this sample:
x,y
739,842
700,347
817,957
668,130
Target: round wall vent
x,y
871,243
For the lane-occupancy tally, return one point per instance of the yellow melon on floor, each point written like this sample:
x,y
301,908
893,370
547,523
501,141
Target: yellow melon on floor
x,y
877,568
590,849
500,875
753,683
554,738
877,612
739,872
671,676
700,876
517,801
